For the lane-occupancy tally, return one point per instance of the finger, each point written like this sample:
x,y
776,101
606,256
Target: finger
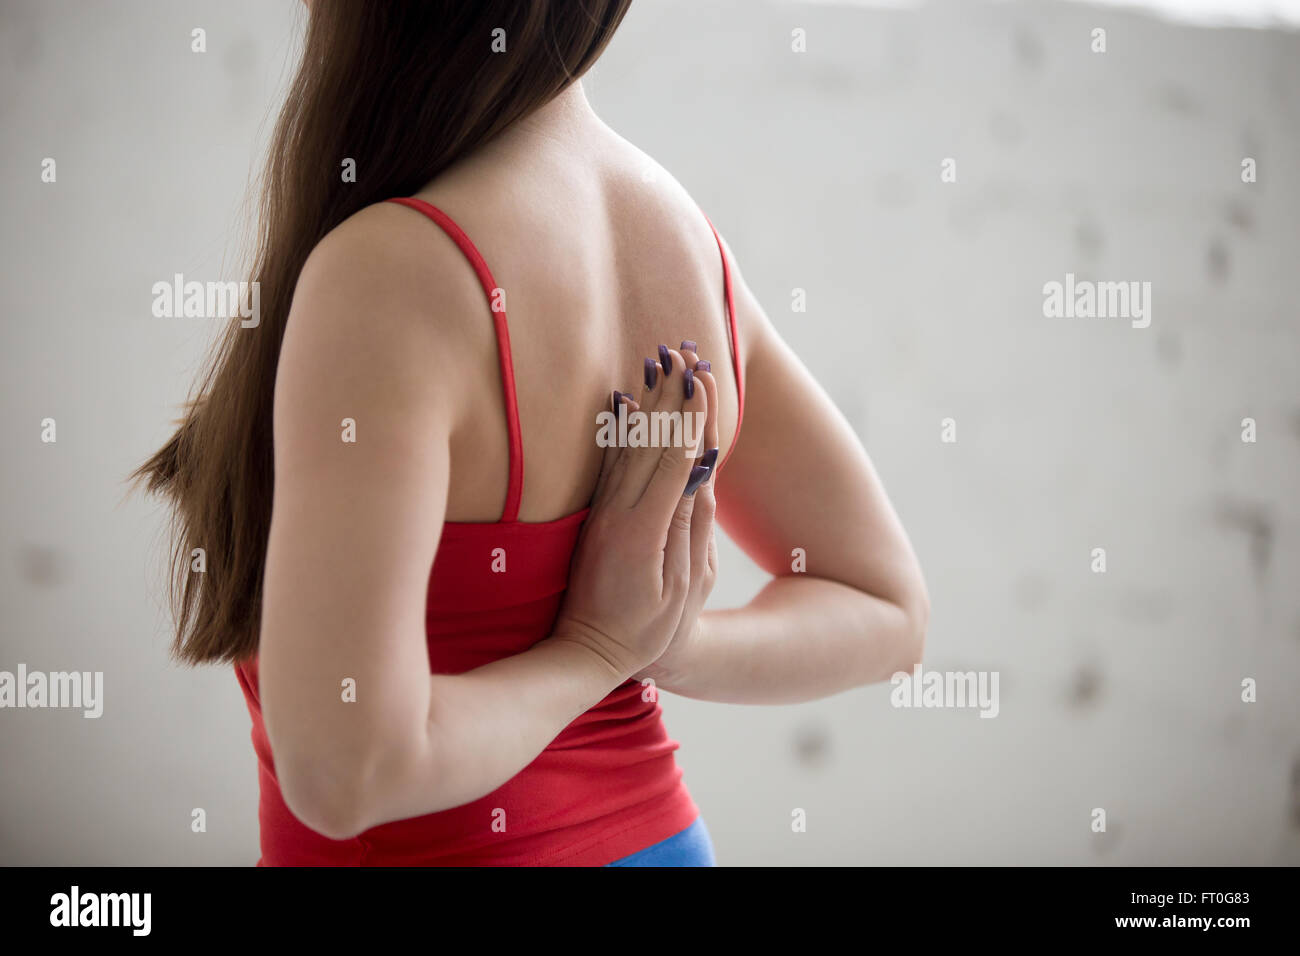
x,y
656,373
676,473
677,550
702,530
664,392
708,436
704,377
611,472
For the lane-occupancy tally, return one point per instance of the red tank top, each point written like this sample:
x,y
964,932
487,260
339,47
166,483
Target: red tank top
x,y
606,787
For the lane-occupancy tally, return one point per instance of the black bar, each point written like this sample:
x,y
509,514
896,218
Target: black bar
x,y
214,906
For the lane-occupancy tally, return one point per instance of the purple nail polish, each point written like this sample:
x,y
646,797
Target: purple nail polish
x,y
688,346
651,373
665,360
703,366
709,458
698,474
690,383
618,399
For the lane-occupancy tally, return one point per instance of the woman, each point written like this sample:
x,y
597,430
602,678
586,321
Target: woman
x,y
445,663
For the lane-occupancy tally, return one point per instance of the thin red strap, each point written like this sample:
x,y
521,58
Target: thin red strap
x,y
515,489
736,364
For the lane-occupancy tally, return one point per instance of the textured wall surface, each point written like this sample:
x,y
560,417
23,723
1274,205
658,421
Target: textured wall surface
x,y
1119,690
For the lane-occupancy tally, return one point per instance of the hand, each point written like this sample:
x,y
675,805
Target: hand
x,y
704,552
641,553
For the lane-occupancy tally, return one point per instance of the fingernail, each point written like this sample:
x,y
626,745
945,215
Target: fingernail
x,y
665,360
651,373
688,346
703,366
698,474
618,399
689,380
709,458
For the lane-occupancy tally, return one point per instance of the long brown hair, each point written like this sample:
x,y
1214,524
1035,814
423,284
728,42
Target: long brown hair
x,y
404,88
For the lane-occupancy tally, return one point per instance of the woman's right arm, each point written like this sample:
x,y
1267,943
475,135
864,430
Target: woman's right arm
x,y
354,530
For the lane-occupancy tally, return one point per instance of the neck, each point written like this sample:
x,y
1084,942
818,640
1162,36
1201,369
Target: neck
x,y
564,115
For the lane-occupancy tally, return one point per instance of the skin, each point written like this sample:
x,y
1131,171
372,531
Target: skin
x,y
603,257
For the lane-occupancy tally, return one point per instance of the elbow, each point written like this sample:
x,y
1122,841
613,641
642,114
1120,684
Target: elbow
x,y
914,622
918,623
341,792
330,803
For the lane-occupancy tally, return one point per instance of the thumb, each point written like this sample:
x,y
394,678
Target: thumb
x,y
677,549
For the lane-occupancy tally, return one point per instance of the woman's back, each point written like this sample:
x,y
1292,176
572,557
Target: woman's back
x,y
601,257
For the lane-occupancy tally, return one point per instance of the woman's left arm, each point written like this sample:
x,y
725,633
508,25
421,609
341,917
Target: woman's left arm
x,y
856,611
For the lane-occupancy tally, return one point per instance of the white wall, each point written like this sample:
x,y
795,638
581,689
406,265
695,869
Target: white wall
x,y
1119,691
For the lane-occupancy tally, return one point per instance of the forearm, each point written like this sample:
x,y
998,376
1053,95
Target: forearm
x,y
800,638
486,725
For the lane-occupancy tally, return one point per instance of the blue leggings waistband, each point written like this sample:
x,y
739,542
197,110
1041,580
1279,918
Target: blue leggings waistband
x,y
690,847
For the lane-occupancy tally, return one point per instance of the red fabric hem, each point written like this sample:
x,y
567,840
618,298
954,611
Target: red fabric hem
x,y
669,815
639,833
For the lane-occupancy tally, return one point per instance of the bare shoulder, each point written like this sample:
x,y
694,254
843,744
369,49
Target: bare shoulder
x,y
388,263
389,274
659,203
378,305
